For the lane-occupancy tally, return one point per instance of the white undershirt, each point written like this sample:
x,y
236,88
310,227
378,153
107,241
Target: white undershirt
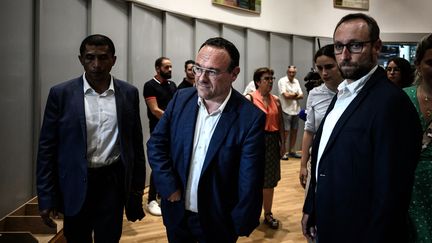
x,y
346,94
204,128
101,125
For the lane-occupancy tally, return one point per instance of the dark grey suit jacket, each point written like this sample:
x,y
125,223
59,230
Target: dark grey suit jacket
x,y
231,182
366,171
61,161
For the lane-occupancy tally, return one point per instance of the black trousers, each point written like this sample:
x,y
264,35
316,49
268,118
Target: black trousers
x,y
102,213
190,231
152,193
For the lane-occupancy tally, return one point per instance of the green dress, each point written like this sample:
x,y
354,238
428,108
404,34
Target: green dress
x,y
420,210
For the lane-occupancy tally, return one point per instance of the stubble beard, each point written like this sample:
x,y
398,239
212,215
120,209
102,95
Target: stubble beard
x,y
357,70
166,75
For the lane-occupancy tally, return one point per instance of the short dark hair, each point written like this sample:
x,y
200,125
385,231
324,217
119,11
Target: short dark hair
x,y
228,46
424,44
158,62
189,62
259,72
292,66
374,30
406,72
97,40
327,50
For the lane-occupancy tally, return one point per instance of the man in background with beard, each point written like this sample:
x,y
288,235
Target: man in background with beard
x,y
366,149
158,91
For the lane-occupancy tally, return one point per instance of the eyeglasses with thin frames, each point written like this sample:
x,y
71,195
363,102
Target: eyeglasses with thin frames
x,y
212,73
353,47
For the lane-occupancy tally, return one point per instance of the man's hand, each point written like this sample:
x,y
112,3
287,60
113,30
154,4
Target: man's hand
x,y
45,215
308,232
175,196
290,95
134,208
303,176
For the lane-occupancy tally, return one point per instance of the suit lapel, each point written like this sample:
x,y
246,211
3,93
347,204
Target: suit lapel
x,y
78,102
119,99
376,76
190,112
228,116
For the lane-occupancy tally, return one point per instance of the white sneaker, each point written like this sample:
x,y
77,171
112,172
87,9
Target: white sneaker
x,y
154,209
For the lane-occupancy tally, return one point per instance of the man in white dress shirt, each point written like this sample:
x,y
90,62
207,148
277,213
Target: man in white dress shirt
x,y
290,94
365,151
207,154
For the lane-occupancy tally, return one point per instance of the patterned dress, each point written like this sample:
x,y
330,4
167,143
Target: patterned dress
x,y
420,210
272,171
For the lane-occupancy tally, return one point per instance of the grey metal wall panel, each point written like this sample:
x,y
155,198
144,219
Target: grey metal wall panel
x,y
257,52
62,27
322,41
110,18
238,37
179,43
280,56
203,31
303,51
145,47
16,104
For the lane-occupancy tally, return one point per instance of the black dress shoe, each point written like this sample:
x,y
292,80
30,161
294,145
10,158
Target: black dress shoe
x,y
294,155
270,221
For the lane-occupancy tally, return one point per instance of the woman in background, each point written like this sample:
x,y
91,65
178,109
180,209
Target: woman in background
x,y
399,71
274,137
318,100
420,211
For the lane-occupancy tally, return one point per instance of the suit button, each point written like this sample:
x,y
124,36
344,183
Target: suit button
x,y
84,179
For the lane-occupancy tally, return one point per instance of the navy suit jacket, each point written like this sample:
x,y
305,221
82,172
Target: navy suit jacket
x,y
62,163
231,182
366,171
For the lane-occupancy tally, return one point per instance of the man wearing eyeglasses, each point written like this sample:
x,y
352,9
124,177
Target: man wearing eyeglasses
x,y
207,154
365,151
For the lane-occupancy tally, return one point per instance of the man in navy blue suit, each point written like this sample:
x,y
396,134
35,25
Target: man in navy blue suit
x,y
207,153
365,152
90,163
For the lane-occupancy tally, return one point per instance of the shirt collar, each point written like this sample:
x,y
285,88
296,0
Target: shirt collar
x,y
356,85
221,107
88,88
159,82
327,89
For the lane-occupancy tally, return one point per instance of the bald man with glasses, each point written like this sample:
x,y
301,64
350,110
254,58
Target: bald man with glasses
x,y
363,155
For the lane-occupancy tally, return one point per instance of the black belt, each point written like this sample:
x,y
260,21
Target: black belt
x,y
104,169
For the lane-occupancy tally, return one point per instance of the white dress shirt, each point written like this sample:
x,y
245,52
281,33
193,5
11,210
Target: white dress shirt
x,y
289,106
101,125
204,128
346,94
318,101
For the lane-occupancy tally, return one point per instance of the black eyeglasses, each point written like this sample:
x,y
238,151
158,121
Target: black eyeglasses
x,y
212,73
392,69
352,47
269,78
